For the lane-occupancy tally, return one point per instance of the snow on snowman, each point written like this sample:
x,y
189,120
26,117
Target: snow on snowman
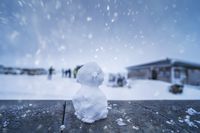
x,y
89,102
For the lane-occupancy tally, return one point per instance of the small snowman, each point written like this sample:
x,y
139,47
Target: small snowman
x,y
89,102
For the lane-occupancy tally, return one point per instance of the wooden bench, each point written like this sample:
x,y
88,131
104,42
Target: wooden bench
x,y
124,116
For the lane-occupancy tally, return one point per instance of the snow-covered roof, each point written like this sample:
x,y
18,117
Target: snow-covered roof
x,y
166,62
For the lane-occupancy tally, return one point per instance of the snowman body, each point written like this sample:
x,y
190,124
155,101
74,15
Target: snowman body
x,y
89,102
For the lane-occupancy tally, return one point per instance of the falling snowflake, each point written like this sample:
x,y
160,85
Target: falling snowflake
x,y
108,8
90,36
89,19
115,14
174,5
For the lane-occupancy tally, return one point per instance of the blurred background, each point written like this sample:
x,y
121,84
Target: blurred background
x,y
54,38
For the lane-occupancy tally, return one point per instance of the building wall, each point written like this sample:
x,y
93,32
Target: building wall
x,y
193,76
163,73
186,75
168,73
139,74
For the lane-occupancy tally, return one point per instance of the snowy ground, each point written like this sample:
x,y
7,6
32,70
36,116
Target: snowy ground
x,y
38,87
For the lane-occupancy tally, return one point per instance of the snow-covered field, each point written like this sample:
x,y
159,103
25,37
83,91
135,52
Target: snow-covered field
x,y
38,87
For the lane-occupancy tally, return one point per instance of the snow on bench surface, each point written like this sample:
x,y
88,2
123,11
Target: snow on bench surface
x,y
124,116
38,87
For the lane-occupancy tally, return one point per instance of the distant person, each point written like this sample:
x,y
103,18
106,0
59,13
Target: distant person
x,y
68,73
121,81
50,73
63,73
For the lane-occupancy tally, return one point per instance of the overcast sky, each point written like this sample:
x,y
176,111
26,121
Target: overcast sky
x,y
114,33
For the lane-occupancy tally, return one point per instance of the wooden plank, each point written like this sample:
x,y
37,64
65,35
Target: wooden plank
x,y
30,116
139,116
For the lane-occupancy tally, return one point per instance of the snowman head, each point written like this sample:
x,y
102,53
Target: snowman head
x,y
90,74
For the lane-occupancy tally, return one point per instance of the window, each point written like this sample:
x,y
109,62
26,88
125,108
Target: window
x,y
177,73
